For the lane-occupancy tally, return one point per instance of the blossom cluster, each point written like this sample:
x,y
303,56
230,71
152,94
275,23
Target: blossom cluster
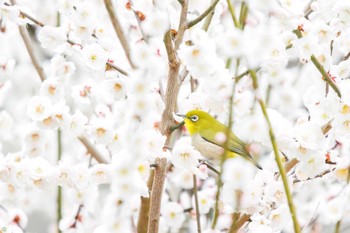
x,y
82,131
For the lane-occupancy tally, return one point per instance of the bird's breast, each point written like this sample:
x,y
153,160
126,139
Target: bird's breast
x,y
207,149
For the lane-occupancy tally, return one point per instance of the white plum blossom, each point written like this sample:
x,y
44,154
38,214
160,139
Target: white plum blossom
x,y
53,38
51,89
156,23
185,156
94,56
39,108
76,123
205,202
116,88
173,215
60,67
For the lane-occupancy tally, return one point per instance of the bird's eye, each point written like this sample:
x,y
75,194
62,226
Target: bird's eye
x,y
194,118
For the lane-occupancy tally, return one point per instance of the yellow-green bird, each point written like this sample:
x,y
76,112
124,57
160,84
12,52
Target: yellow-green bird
x,y
209,137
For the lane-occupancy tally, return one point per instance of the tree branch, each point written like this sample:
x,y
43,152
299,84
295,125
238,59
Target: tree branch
x,y
170,98
119,31
198,214
182,25
157,192
145,206
239,223
28,43
92,150
325,75
145,37
203,15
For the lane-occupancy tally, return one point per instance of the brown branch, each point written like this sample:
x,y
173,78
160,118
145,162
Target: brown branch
x,y
170,99
77,217
157,192
119,31
182,25
145,37
239,223
28,43
92,150
290,164
317,176
145,206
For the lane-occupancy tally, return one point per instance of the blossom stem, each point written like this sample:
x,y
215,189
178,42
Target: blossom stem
x,y
325,75
59,189
119,31
198,215
337,227
233,14
203,15
281,168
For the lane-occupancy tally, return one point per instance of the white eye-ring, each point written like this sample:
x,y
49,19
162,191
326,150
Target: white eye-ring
x,y
194,118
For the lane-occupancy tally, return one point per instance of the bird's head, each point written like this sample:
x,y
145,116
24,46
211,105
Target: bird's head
x,y
197,120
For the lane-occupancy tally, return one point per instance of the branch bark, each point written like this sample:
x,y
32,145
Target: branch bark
x,y
203,15
28,43
157,192
170,98
118,30
145,205
92,150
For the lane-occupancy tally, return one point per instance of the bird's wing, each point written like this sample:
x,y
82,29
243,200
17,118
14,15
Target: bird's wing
x,y
233,143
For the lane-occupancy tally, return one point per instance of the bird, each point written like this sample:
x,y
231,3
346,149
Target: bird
x,y
209,137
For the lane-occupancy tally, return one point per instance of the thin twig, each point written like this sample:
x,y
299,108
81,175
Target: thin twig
x,y
92,150
59,188
198,214
77,217
240,76
37,22
243,15
210,167
325,75
281,169
208,19
315,177
28,43
118,30
145,37
233,14
203,15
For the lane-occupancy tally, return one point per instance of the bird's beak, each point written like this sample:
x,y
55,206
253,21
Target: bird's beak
x,y
180,115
